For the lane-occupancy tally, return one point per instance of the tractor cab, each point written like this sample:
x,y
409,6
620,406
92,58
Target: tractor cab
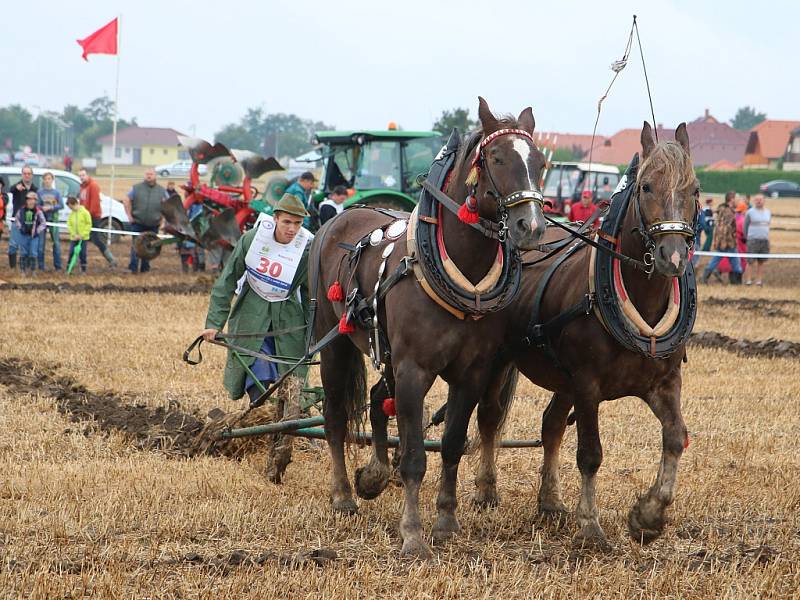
x,y
566,180
380,168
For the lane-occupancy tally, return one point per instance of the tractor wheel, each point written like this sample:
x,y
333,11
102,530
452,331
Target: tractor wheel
x,y
390,202
275,189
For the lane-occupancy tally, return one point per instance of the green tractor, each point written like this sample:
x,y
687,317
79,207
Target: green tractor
x,y
379,167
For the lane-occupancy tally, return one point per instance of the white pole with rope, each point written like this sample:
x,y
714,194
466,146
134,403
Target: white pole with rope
x,y
114,136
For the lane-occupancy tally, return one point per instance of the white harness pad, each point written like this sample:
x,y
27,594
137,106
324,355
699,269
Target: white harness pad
x,y
270,265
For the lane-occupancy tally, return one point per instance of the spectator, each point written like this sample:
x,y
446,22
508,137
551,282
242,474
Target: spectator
x,y
756,232
2,205
50,202
333,205
699,228
67,162
708,213
30,224
79,225
19,193
302,189
172,190
583,209
725,240
741,240
90,198
143,205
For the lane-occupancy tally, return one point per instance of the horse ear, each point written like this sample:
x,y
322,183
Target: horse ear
x,y
682,137
488,120
526,120
648,143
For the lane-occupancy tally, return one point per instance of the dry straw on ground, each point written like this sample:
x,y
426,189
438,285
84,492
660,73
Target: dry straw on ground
x,y
90,510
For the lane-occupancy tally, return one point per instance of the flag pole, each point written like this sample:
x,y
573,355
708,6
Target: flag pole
x,y
114,137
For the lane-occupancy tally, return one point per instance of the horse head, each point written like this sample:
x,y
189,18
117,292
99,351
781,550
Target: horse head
x,y
667,200
507,168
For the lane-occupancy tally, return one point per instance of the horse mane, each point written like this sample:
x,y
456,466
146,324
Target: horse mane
x,y
672,162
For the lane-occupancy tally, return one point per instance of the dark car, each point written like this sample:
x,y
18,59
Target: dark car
x,y
780,187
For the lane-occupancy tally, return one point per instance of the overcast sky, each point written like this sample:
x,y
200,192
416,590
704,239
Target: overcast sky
x,y
355,64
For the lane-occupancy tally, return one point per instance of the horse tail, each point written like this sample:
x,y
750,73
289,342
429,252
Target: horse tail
x,y
506,397
354,397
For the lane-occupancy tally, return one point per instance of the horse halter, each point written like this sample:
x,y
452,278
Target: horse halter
x,y
509,200
664,227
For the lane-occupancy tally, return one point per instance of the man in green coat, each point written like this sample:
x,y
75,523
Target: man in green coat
x,y
268,272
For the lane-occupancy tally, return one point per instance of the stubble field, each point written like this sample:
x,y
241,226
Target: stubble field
x,y
100,493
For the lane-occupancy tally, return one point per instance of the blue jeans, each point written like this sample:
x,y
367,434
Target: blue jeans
x,y
53,233
736,264
28,247
81,253
13,237
134,264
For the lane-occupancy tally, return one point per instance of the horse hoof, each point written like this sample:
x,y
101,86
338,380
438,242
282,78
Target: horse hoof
x,y
591,535
484,500
369,484
345,507
445,529
553,509
646,521
415,549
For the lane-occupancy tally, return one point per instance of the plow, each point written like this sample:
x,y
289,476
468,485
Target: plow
x,y
313,397
213,215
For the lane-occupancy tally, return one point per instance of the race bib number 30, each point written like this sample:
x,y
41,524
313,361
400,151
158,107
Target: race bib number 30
x,y
271,266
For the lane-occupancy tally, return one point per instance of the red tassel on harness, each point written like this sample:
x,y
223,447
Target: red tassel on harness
x,y
335,292
389,408
686,442
345,326
468,212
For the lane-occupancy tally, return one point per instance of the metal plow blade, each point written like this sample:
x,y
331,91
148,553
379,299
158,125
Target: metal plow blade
x,y
201,151
222,230
147,245
255,165
176,217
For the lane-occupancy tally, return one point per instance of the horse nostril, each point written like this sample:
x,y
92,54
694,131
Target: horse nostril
x,y
523,225
663,253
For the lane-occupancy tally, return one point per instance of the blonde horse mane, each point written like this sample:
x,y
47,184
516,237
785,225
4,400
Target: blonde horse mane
x,y
671,162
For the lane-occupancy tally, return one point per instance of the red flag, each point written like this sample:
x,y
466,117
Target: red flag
x,y
102,41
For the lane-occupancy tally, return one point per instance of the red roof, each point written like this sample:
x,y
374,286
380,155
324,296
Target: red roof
x,y
143,136
770,138
723,165
710,141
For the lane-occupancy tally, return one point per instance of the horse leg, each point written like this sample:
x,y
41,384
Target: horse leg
x,y
554,422
412,385
492,411
646,519
461,402
589,458
338,361
372,479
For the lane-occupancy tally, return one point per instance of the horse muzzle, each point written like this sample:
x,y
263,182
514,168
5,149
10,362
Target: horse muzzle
x,y
525,220
671,255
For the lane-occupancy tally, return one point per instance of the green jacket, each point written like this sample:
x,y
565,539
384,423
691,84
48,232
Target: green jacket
x,y
253,314
79,223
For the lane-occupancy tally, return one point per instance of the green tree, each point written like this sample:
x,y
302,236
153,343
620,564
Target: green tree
x,y
456,118
277,134
17,128
746,118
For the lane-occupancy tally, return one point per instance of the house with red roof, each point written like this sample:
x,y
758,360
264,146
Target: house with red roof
x,y
147,146
769,143
577,143
710,142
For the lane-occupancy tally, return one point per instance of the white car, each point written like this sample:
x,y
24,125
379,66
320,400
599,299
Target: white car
x,y
69,185
179,167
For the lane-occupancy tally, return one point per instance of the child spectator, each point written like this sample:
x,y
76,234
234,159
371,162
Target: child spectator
x,y
31,225
79,225
50,202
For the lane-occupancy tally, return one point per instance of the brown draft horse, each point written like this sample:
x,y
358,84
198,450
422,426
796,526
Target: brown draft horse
x,y
592,367
425,340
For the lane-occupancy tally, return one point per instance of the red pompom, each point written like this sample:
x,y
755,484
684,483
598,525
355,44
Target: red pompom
x,y
686,442
389,408
467,214
345,326
335,292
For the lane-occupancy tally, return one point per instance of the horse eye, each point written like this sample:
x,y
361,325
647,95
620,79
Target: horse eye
x,y
646,188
